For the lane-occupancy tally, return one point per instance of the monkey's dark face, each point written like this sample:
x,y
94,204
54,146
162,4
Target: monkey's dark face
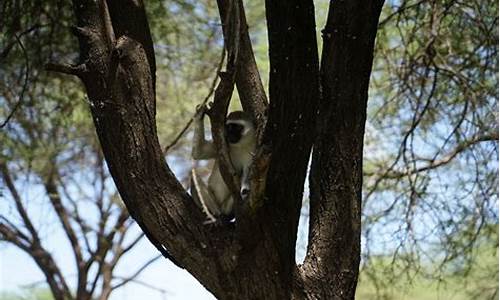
x,y
234,132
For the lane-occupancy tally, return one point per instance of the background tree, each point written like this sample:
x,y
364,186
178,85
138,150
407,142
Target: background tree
x,y
431,188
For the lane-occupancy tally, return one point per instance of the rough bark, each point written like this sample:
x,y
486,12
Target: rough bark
x,y
256,258
293,93
331,267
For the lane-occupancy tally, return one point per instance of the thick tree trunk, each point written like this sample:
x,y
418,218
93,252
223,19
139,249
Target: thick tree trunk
x,y
256,258
294,95
331,267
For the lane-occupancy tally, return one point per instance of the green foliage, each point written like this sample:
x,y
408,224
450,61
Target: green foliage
x,y
477,280
27,294
431,149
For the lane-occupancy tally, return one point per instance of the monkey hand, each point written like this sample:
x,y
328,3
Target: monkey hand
x,y
201,110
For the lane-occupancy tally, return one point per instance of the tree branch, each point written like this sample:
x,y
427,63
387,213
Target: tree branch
x,y
121,13
108,26
333,252
204,102
64,218
25,85
75,215
104,244
7,233
19,204
124,117
222,98
43,259
15,229
436,163
290,128
62,214
254,101
76,70
136,273
148,285
248,82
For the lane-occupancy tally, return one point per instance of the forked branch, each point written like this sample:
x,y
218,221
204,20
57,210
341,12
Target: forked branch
x,y
222,98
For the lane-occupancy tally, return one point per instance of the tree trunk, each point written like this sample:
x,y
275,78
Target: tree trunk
x,y
256,258
332,263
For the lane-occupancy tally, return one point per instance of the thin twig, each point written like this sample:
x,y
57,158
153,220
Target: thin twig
x,y
148,285
25,85
132,244
136,273
435,163
204,102
6,50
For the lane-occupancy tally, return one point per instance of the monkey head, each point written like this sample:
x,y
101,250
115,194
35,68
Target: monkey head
x,y
239,128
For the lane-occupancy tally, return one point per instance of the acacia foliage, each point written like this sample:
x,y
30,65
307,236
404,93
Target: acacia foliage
x,y
431,156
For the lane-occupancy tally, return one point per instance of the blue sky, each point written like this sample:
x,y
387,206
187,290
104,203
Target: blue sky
x,y
18,269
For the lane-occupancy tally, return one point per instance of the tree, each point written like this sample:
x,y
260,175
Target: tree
x,y
255,258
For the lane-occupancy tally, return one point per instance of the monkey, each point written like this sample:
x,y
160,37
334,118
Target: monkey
x,y
239,131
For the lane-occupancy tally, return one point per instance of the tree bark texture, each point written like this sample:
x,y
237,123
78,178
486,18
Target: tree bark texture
x,y
256,258
336,171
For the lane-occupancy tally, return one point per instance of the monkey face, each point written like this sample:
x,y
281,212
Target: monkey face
x,y
233,132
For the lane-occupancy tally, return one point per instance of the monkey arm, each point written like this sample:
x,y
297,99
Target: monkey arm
x,y
202,149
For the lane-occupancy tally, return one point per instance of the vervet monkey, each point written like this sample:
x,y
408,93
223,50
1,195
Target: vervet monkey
x,y
239,131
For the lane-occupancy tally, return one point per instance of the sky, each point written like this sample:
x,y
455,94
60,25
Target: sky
x,y
161,280
18,269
